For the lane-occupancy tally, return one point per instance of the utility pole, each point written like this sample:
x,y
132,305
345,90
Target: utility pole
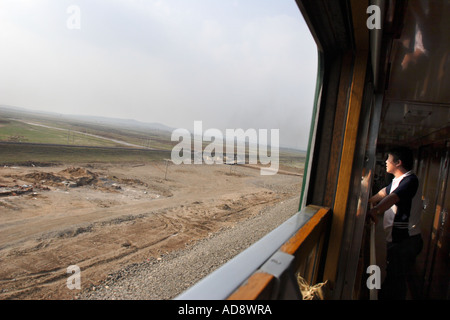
x,y
167,164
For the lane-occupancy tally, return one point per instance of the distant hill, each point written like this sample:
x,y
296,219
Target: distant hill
x,y
152,134
124,123
127,123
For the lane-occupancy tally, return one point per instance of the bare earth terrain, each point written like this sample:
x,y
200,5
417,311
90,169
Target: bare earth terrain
x,y
105,218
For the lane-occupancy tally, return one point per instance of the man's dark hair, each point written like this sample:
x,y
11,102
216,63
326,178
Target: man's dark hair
x,y
404,154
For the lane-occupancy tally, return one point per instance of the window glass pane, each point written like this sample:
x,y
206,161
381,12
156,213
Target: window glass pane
x,y
114,120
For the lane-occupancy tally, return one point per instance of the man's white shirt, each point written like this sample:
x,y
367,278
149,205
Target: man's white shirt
x,y
389,214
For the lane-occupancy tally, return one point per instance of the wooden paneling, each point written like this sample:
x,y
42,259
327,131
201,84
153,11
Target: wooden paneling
x,y
338,129
261,285
258,286
350,137
301,244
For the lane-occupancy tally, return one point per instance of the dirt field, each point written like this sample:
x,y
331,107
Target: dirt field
x,y
104,217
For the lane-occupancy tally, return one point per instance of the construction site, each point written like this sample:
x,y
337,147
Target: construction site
x,y
102,217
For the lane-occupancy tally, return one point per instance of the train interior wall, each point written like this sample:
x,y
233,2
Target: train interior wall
x,y
414,82
430,277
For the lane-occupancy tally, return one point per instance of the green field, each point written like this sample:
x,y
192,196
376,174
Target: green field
x,y
27,137
16,131
27,154
20,153
18,125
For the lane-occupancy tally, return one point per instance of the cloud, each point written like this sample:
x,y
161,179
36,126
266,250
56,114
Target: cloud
x,y
229,64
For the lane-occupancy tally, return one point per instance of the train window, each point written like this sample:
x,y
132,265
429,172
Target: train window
x,y
145,143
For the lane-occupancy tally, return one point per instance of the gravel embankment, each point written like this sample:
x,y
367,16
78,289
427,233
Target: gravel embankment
x,y
173,273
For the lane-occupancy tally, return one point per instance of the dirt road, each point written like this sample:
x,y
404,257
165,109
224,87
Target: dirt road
x,y
103,218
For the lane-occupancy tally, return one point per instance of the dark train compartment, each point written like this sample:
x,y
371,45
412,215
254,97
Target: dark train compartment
x,y
380,84
415,112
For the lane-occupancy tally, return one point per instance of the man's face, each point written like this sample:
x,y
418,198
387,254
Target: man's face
x,y
391,165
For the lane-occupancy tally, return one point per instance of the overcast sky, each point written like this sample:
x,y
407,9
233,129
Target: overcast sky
x,y
229,63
